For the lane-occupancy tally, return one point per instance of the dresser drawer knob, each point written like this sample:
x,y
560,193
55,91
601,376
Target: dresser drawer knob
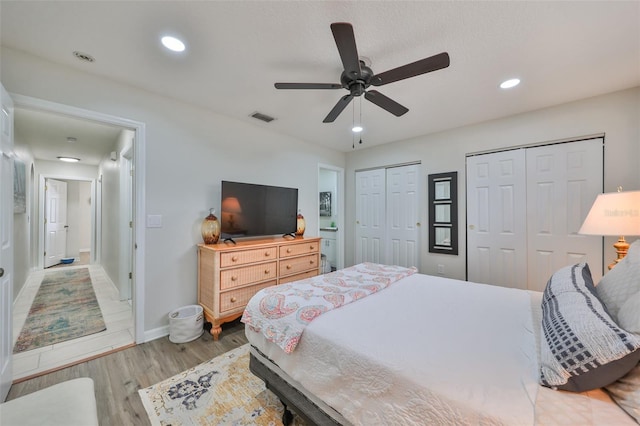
x,y
266,272
288,250
234,259
311,248
311,262
267,254
233,300
288,266
234,278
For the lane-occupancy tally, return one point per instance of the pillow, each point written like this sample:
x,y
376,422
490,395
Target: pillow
x,y
622,282
626,393
629,314
582,348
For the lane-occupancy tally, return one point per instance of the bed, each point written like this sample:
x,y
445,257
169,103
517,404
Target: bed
x,y
419,349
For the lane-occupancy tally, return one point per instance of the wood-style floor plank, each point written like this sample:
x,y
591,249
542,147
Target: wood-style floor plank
x,y
118,376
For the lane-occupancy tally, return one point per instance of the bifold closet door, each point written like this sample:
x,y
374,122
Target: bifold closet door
x,y
387,215
563,181
524,210
370,215
496,223
402,246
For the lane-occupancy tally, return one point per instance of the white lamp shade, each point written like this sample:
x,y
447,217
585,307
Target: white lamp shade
x,y
614,213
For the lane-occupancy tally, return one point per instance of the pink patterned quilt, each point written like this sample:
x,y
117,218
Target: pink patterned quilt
x,y
282,312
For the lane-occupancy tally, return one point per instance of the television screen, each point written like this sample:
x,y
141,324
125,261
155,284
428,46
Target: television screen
x,y
249,210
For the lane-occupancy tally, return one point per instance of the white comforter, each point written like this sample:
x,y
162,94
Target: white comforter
x,y
426,350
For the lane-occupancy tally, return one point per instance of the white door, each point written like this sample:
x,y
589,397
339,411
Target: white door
x,y
562,182
6,242
496,223
370,215
402,215
55,225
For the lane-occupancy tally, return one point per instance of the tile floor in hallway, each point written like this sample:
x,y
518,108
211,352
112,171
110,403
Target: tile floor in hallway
x,y
117,317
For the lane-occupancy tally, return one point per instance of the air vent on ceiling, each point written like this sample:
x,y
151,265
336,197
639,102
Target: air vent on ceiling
x,y
263,117
83,56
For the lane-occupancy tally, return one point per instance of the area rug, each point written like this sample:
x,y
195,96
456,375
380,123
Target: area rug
x,y
218,392
65,308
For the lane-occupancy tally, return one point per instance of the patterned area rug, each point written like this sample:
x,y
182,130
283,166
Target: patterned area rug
x,y
64,308
219,392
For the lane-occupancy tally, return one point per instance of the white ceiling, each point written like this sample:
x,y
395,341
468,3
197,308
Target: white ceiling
x,y
561,50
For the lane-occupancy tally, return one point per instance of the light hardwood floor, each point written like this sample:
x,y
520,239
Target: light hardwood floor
x,y
117,316
118,376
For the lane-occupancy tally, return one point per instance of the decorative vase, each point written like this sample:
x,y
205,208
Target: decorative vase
x,y
210,228
301,225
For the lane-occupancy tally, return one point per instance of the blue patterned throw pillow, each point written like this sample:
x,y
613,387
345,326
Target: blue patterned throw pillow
x,y
582,347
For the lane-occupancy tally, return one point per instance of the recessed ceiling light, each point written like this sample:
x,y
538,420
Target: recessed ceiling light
x,y
356,129
71,139
173,44
508,84
69,159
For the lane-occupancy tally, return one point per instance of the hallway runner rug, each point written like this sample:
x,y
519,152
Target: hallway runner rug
x,y
64,308
221,391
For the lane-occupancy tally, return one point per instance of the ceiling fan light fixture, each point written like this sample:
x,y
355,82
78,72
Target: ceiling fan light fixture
x,y
508,84
173,44
69,159
357,129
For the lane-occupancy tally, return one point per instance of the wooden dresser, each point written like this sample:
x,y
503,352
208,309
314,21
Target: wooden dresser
x,y
229,275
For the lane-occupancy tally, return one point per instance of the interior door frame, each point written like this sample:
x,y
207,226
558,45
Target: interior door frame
x,y
139,162
339,206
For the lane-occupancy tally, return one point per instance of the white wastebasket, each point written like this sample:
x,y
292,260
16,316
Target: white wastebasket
x,y
185,324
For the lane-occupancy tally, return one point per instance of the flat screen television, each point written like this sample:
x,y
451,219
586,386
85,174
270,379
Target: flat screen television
x,y
251,210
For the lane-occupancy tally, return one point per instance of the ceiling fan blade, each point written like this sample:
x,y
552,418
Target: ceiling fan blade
x,y
307,86
385,103
433,63
335,112
346,43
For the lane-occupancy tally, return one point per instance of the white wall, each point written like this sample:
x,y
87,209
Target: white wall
x,y
110,246
22,230
84,216
78,217
189,150
617,115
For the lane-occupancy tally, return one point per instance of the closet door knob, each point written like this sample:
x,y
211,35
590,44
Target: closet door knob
x,y
1,272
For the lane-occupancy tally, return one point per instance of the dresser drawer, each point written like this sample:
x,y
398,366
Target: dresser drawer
x,y
298,249
297,277
247,256
236,277
298,264
237,299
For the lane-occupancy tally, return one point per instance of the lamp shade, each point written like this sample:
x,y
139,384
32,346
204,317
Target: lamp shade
x,y
614,213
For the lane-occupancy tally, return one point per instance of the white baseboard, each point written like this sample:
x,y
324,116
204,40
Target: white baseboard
x,y
156,333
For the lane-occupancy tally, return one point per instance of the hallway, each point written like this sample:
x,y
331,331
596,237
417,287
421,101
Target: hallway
x,y
117,316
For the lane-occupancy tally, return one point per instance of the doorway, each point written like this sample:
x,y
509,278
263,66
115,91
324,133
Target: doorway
x,y
331,216
133,149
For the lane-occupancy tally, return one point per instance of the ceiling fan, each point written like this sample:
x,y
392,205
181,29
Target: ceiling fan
x,y
357,76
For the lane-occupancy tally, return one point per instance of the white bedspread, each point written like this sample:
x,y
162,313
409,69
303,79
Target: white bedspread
x,y
426,350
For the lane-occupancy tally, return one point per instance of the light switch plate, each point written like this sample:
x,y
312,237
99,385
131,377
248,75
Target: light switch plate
x,y
154,221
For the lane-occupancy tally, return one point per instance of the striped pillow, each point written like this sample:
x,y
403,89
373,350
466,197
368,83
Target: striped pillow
x,y
582,348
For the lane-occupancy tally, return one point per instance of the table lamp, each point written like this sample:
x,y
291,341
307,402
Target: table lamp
x,y
614,214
